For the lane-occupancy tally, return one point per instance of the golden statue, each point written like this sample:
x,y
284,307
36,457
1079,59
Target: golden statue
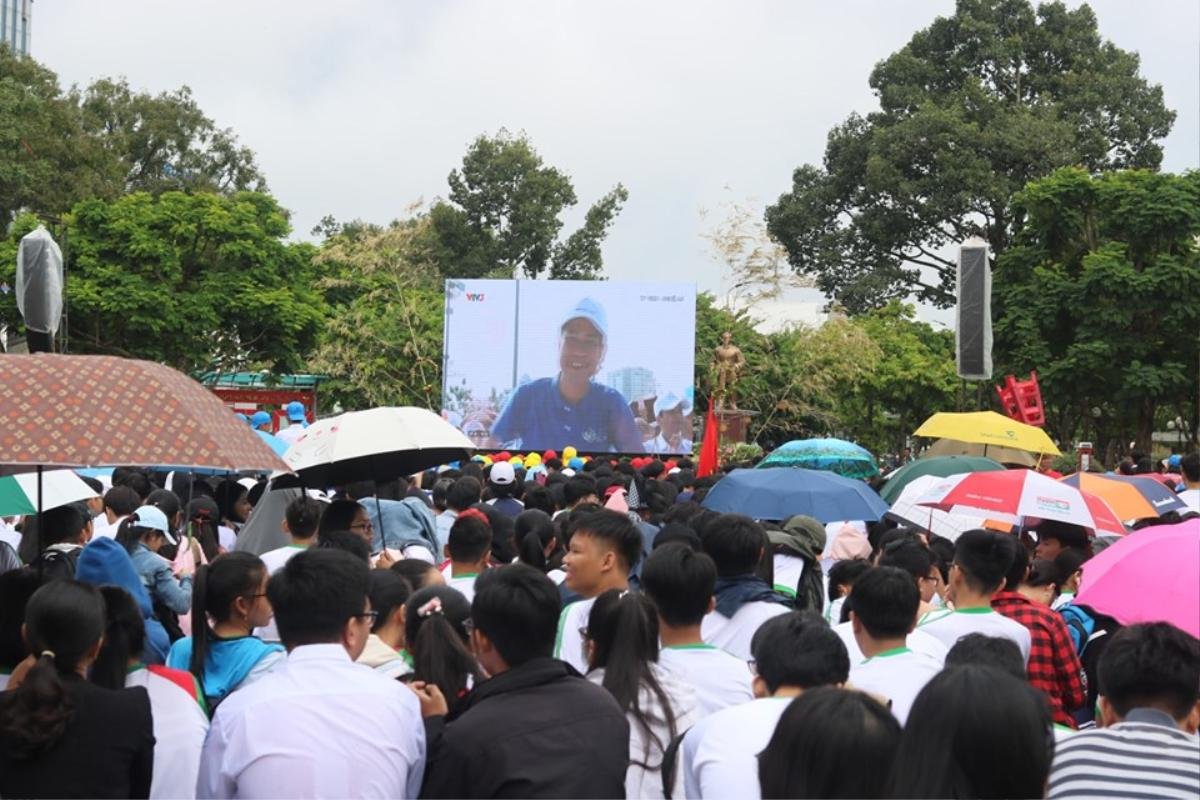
x,y
727,365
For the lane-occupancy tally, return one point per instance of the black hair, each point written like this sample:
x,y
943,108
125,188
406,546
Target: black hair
x,y
339,516
984,558
886,602
894,537
129,533
124,638
994,651
93,484
303,516
535,534
1068,562
437,495
1153,664
315,593
347,542
799,649
680,581
202,518
472,469
615,530
470,540
1189,465
830,742
63,620
435,632
137,481
464,493
678,533
1043,572
388,591
227,495
538,498
255,493
942,550
910,556
577,488
1068,535
1018,569
623,630
215,587
517,608
16,587
504,546
62,524
974,731
844,573
735,543
415,571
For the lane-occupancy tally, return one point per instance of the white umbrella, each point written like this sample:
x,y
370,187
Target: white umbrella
x,y
19,494
378,444
943,523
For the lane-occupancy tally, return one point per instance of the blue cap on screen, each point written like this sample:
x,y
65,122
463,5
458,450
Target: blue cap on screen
x,y
593,312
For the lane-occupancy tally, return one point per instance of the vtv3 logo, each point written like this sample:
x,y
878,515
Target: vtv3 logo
x,y
474,297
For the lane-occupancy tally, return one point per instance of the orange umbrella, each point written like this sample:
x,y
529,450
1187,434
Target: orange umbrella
x,y
1125,497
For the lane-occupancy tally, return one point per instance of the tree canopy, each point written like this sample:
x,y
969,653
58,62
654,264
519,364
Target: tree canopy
x,y
970,110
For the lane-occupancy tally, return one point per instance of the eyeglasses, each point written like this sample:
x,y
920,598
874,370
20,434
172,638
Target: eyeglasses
x,y
255,596
367,615
933,578
361,526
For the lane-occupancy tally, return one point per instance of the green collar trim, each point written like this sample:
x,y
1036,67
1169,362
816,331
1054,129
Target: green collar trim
x,y
786,591
975,610
465,575
895,651
692,646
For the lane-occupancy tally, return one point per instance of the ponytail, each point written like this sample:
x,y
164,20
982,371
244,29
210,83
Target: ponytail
x,y
437,640
200,628
63,621
124,638
129,533
214,588
531,551
535,532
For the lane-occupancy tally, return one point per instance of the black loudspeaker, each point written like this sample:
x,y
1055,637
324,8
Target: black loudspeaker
x,y
973,331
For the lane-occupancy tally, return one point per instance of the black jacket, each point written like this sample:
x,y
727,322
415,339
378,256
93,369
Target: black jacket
x,y
539,730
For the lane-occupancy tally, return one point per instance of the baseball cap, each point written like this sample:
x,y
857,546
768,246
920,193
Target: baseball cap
x,y
593,312
575,463
295,411
671,401
502,473
153,518
260,418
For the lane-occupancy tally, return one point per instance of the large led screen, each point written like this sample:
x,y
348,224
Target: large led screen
x,y
604,366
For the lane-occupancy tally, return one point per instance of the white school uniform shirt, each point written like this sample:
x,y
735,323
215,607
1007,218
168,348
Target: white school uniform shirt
x,y
720,754
275,559
720,679
100,526
899,675
918,642
464,584
319,726
180,726
568,645
292,432
733,634
788,571
950,626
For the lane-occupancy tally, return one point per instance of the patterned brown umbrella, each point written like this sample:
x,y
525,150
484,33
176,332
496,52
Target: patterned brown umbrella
x,y
77,411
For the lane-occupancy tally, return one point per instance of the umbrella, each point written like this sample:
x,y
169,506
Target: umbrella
x,y
1012,495
987,428
942,523
938,466
1130,497
1004,455
19,493
780,493
378,444
81,411
834,455
1148,576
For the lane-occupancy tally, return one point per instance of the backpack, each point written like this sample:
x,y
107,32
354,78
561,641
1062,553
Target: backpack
x,y
1080,624
55,564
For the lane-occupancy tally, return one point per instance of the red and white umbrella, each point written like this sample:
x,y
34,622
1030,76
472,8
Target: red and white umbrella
x,y
1015,494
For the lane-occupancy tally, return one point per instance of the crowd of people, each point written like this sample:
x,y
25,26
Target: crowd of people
x,y
578,629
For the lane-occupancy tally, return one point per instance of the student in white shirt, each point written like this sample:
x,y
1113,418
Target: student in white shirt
x,y
602,549
119,503
883,612
981,562
461,495
680,582
385,651
792,653
300,521
319,725
744,601
469,550
297,422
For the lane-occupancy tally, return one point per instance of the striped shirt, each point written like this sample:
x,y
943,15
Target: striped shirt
x,y
1145,756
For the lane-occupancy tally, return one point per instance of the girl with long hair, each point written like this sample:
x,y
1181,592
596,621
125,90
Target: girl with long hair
x,y
437,640
538,544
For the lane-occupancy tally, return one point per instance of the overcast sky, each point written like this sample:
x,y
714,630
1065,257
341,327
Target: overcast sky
x,y
357,108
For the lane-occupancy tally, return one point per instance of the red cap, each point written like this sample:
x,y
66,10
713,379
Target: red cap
x,y
549,454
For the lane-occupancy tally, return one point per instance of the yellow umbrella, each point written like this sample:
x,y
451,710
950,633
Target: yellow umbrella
x,y
987,428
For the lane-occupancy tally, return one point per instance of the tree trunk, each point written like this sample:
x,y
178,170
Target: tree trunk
x,y
1145,425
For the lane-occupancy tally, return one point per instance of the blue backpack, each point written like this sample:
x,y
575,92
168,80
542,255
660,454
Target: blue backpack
x,y
1080,624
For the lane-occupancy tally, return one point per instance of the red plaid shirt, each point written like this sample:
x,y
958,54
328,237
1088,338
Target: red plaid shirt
x,y
1053,664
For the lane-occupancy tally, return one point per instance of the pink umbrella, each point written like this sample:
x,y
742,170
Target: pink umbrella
x,y
1148,576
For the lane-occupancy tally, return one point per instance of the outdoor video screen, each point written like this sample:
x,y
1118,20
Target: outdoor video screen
x,y
604,366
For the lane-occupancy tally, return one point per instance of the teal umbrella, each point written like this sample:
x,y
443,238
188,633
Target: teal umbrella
x,y
19,493
937,466
830,455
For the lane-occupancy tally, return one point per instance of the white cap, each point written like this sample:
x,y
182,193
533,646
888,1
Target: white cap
x,y
152,517
502,473
670,401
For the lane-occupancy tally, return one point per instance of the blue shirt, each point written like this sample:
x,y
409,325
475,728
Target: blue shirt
x,y
538,416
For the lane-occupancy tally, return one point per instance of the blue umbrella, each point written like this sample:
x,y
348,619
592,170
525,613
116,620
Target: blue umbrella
x,y
777,494
834,455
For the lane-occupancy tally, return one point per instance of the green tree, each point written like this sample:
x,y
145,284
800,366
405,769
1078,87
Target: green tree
x,y
196,281
501,218
1100,293
382,342
971,109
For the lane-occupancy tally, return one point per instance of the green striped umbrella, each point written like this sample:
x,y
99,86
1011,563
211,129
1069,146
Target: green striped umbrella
x,y
19,493
937,466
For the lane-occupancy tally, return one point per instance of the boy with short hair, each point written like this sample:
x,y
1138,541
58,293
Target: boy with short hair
x,y
603,548
883,614
680,582
980,570
469,550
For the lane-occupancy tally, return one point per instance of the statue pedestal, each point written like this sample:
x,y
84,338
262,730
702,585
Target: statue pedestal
x,y
733,424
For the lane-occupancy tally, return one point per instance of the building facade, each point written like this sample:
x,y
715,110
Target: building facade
x,y
14,24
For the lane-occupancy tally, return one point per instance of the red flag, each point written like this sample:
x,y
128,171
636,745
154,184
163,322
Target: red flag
x,y
708,448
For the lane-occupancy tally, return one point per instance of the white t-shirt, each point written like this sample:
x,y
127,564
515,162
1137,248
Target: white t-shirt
x,y
569,644
720,754
292,432
100,526
733,634
720,680
899,675
275,559
1192,498
918,642
788,571
226,538
180,726
465,584
950,626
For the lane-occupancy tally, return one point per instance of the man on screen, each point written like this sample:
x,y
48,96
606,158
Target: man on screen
x,y
571,408
673,415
